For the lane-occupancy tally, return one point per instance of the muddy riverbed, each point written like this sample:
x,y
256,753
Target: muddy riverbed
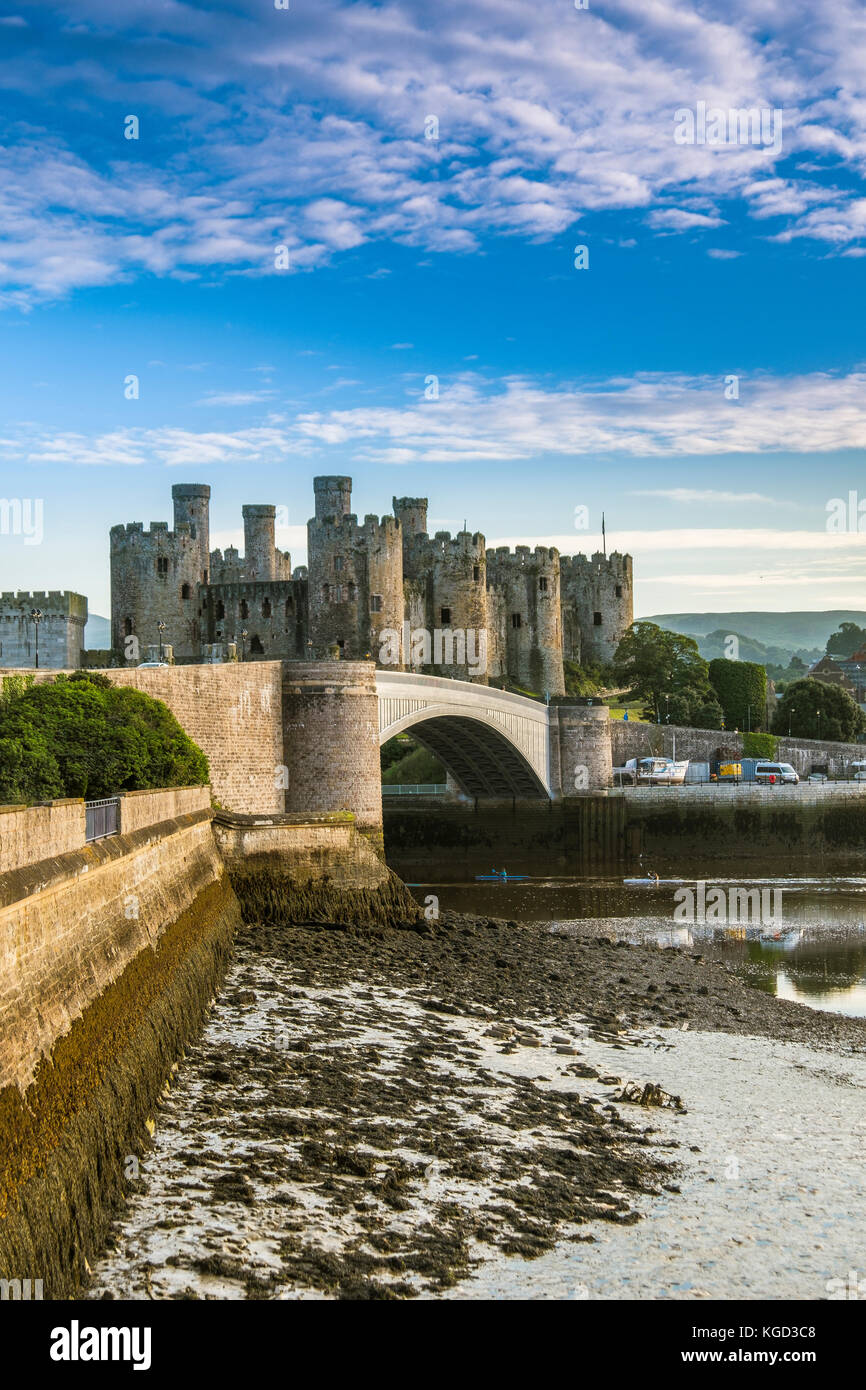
x,y
477,1108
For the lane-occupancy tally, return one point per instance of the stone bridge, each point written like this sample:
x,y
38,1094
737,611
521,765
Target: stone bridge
x,y
304,736
492,743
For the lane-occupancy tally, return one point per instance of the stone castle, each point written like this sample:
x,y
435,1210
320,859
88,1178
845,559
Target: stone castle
x,y
381,588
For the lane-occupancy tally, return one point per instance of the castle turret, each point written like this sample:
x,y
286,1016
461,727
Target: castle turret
x,y
192,508
259,547
411,512
333,497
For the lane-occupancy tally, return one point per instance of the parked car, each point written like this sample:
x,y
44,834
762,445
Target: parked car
x,y
859,771
776,772
817,777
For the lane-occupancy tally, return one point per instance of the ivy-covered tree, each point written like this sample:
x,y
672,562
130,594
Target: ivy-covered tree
x,y
82,736
741,687
813,709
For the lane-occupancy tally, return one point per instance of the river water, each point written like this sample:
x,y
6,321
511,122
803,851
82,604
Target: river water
x,y
801,938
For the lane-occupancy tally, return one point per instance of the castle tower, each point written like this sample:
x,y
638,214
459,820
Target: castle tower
x,y
355,576
259,546
529,586
61,629
598,604
192,508
333,497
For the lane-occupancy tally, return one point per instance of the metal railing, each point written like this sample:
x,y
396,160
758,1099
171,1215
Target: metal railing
x,y
414,789
101,818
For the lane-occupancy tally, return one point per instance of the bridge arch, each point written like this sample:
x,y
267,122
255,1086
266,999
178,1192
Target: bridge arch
x,y
494,744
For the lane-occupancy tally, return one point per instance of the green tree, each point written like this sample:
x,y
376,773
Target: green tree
x,y
667,671
848,639
813,709
83,736
741,687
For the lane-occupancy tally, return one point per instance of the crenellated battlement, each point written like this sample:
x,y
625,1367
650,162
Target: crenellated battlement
x,y
158,533
63,601
544,559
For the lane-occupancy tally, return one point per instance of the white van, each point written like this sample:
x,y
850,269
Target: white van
x,y
858,771
780,772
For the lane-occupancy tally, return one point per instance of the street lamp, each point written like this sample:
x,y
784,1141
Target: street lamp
x,y
244,635
160,627
36,616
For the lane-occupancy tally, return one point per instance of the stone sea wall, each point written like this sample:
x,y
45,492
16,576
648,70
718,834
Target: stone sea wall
x,y
311,868
110,954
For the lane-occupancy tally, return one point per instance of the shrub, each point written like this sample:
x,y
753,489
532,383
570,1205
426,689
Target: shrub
x,y
82,736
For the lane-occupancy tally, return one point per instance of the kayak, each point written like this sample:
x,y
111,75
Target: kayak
x,y
648,882
501,878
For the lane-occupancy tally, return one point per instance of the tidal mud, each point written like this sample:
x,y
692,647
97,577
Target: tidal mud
x,y
384,1113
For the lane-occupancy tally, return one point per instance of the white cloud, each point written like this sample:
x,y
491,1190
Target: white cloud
x,y
546,114
689,494
648,415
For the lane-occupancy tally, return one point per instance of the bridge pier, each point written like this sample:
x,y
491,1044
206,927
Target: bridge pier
x,y
331,740
580,736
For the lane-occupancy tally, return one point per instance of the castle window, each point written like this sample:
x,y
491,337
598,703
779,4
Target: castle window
x,y
266,608
445,615
162,564
220,610
341,643
245,608
515,620
596,619
338,593
375,603
256,645
338,563
542,584
290,605
185,591
127,627
619,591
326,592
476,573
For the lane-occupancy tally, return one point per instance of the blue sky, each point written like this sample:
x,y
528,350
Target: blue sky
x,y
411,257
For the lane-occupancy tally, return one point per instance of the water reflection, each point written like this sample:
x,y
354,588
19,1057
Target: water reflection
x,y
812,951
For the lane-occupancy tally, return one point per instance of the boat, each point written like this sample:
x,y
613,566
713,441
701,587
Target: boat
x,y
501,878
649,882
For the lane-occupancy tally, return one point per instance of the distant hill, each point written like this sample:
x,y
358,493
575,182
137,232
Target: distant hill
x,y
97,633
750,649
795,632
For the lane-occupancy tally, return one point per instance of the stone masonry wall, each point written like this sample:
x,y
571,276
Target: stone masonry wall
x,y
68,929
31,833
307,846
234,713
